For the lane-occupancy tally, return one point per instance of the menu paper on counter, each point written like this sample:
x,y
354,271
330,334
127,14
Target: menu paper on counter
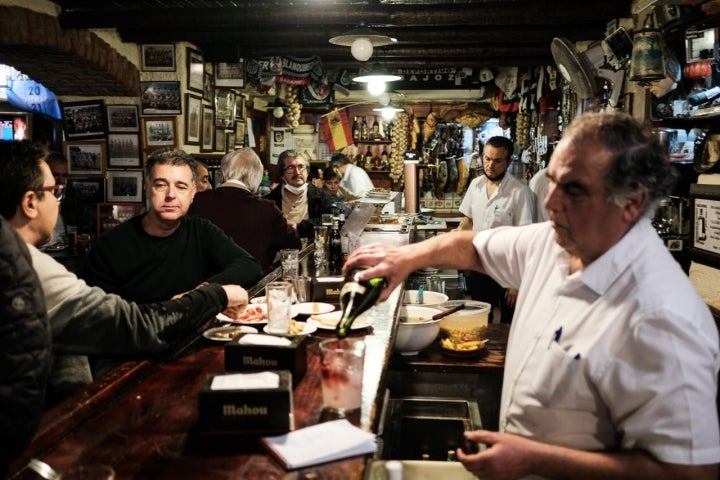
x,y
321,443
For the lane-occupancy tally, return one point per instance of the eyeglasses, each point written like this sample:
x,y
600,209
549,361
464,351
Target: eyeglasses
x,y
295,168
58,191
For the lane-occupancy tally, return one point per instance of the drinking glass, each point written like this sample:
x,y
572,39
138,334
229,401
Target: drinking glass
x,y
278,296
342,362
303,289
290,262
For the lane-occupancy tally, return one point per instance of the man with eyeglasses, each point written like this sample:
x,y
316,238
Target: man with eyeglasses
x,y
302,203
85,320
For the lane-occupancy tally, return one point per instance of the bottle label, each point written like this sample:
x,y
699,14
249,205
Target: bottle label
x,y
352,287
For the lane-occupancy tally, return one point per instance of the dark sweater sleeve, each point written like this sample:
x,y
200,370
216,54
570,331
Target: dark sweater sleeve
x,y
233,264
119,327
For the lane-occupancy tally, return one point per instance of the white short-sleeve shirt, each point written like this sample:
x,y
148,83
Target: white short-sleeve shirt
x,y
511,204
623,354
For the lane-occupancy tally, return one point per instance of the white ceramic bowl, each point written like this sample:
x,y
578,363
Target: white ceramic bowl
x,y
429,298
412,337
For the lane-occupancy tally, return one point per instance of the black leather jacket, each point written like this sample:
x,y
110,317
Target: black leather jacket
x,y
24,347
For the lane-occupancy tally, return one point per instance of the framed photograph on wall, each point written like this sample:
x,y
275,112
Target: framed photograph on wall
x,y
208,87
208,129
160,98
90,190
230,74
193,119
124,186
159,131
123,150
123,118
240,134
220,145
86,157
195,70
157,57
225,107
230,141
84,119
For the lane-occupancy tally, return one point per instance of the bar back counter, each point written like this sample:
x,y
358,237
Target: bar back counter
x,y
142,418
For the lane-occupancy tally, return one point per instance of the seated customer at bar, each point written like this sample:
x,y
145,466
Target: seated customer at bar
x,y
331,184
302,203
86,320
612,362
164,252
24,347
256,224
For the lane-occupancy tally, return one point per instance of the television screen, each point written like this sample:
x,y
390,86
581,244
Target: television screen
x,y
6,129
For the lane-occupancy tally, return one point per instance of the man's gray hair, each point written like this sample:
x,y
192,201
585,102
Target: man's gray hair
x,y
244,165
638,160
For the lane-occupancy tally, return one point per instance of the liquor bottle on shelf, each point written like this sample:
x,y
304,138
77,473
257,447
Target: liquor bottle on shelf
x,y
368,159
384,163
356,130
355,297
264,187
364,131
375,134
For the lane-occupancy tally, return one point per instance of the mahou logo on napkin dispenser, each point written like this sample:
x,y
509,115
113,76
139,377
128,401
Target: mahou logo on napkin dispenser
x,y
256,402
254,352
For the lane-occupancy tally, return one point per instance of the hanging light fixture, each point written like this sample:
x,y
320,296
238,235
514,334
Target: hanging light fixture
x,y
388,111
376,79
362,41
278,110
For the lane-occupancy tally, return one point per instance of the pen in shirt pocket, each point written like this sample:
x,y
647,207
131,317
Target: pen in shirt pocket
x,y
558,335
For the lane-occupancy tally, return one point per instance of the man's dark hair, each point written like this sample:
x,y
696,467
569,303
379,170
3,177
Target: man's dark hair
x,y
171,156
20,172
339,159
502,142
330,174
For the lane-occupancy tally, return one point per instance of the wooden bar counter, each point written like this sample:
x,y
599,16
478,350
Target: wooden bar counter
x,y
142,418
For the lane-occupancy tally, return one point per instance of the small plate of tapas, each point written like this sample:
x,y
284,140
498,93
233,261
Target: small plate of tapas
x,y
296,329
328,321
254,314
311,308
466,349
225,334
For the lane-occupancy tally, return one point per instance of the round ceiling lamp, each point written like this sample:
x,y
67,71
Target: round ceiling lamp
x,y
375,87
377,73
388,111
361,49
278,112
362,41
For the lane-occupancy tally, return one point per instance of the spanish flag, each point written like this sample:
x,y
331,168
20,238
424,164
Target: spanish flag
x,y
337,130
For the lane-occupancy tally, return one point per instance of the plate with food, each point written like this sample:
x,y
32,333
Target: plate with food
x,y
378,193
464,349
296,329
225,334
328,321
254,314
311,308
257,300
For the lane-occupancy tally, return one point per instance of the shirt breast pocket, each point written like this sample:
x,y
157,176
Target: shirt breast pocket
x,y
559,380
503,216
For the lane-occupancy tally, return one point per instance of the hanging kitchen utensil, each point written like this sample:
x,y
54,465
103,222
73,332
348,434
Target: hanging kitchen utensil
x,y
647,62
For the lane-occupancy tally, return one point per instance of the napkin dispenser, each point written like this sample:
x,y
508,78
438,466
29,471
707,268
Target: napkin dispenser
x,y
264,410
327,289
242,356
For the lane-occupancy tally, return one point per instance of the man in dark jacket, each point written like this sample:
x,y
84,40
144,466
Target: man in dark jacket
x,y
24,346
302,203
256,224
85,320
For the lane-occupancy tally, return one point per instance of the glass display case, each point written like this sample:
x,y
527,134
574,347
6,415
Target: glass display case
x,y
110,215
